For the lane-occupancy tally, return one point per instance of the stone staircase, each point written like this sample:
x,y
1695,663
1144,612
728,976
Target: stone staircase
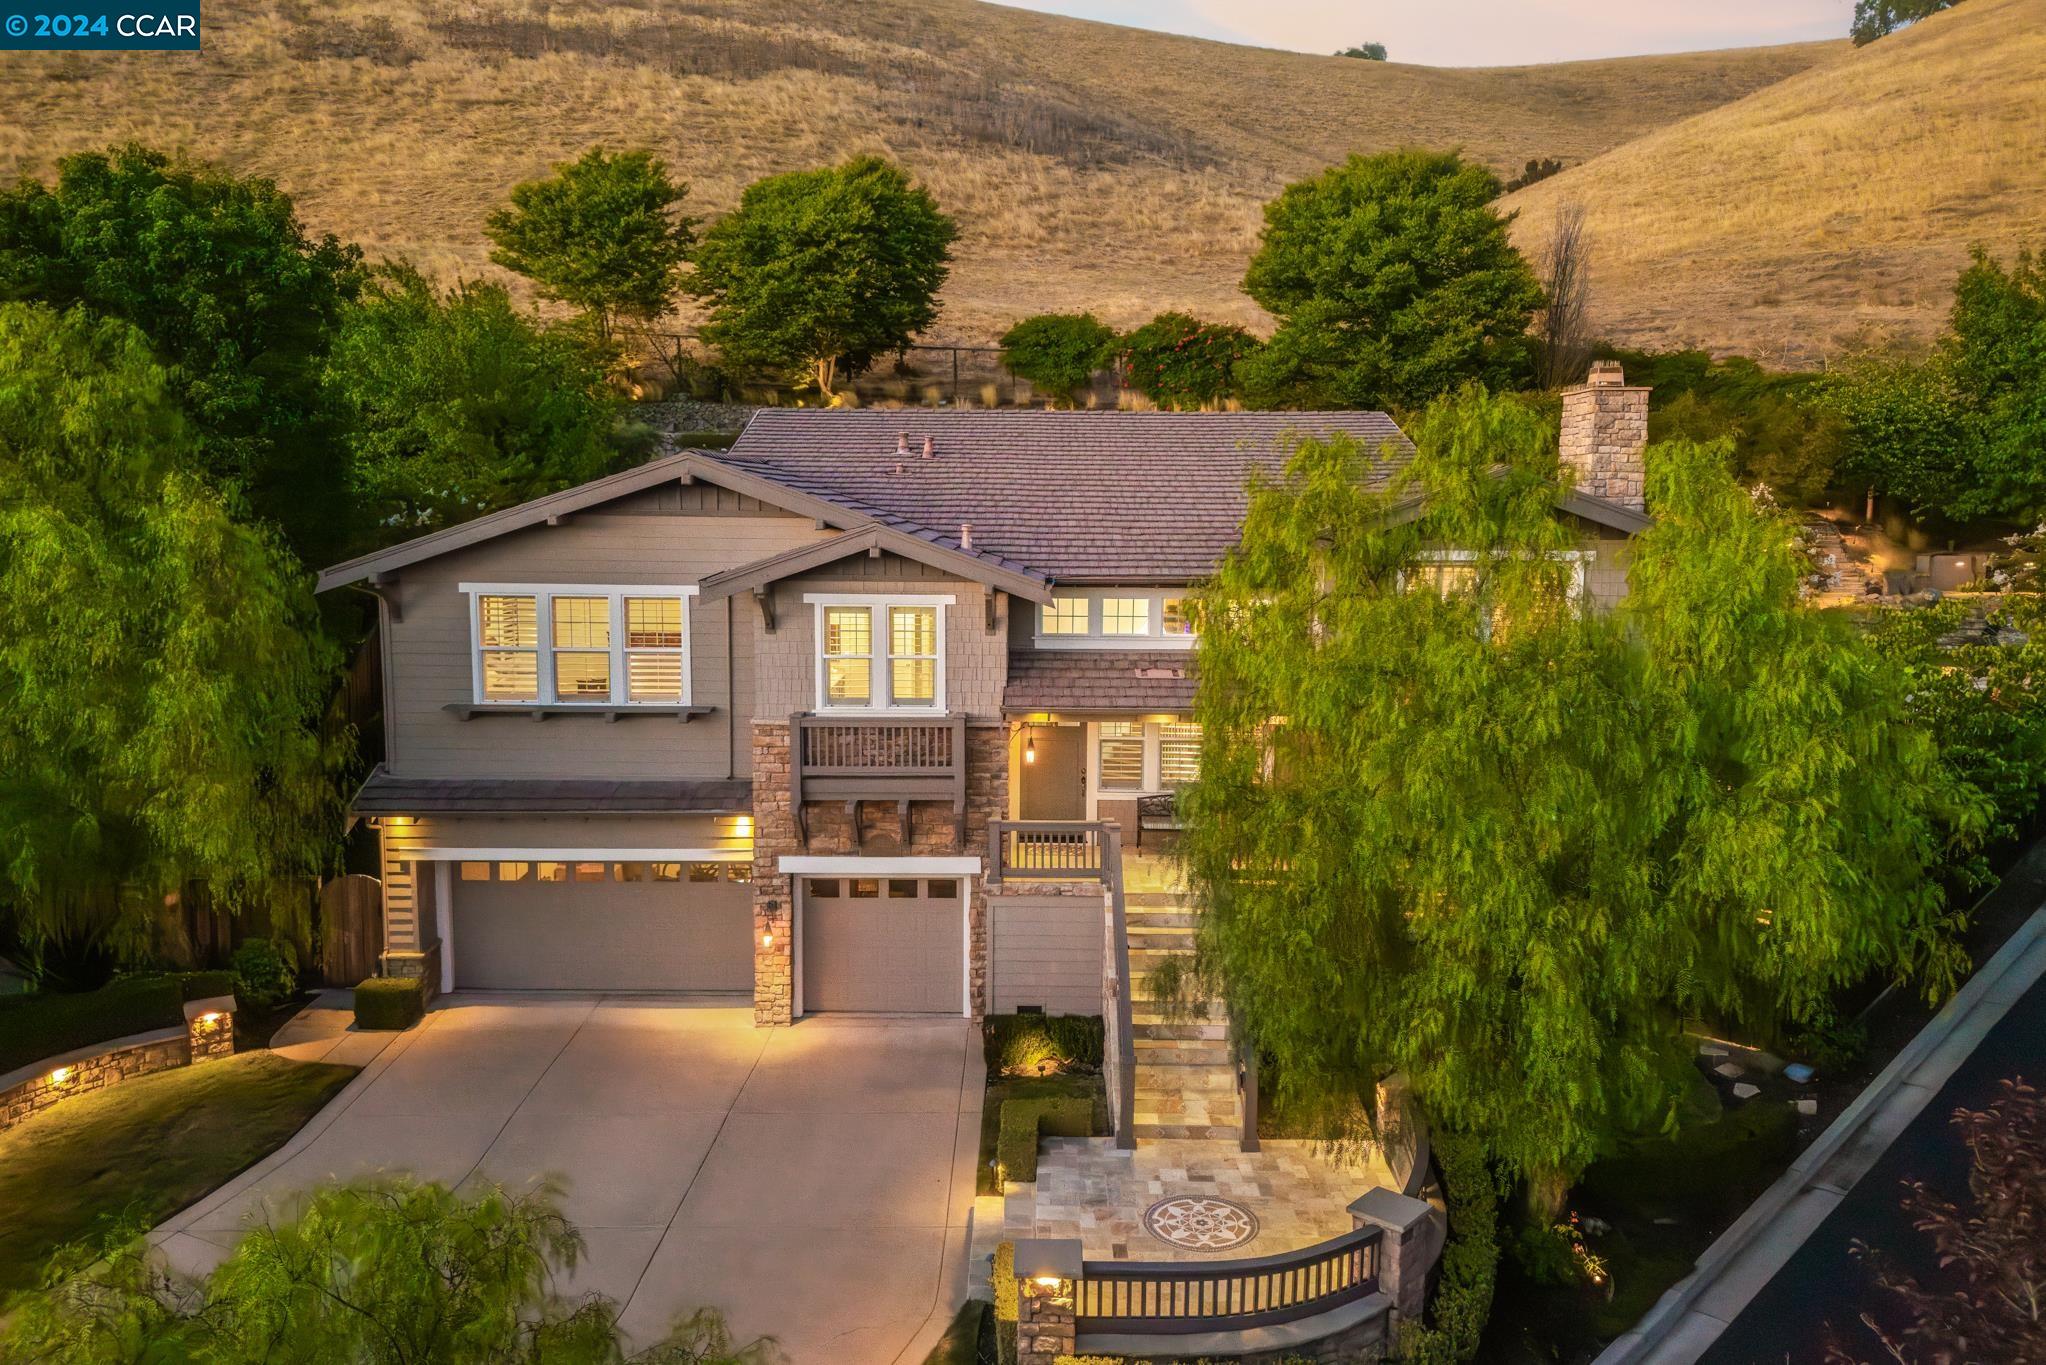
x,y
1186,1081
1841,572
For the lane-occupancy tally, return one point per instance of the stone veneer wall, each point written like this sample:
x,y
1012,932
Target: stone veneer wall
x,y
424,965
1604,432
84,1071
930,834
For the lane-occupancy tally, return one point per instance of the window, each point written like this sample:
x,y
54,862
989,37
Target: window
x,y
912,656
706,872
1116,618
514,872
589,872
877,654
1179,752
1063,616
941,889
848,656
551,872
863,888
1122,755
582,649
475,872
1125,616
738,872
508,639
603,645
667,872
902,888
653,649
825,888
628,872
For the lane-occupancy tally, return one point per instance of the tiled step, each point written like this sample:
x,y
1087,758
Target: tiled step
x,y
1145,959
1180,1051
1202,1079
1152,899
1208,1132
1161,935
1163,918
1191,1030
1190,1116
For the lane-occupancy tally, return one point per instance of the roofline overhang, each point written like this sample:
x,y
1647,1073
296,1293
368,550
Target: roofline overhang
x,y
686,466
875,538
1617,516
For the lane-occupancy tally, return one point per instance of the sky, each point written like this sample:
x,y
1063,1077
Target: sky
x,y
1478,32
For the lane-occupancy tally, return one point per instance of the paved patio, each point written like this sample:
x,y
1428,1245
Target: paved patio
x,y
1296,1193
813,1182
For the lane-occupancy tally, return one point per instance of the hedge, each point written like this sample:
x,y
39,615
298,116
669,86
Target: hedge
x,y
33,1027
1007,1303
206,985
1470,1259
1033,1044
390,1002
1025,1121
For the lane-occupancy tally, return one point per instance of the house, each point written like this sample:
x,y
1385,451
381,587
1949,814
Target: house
x,y
740,722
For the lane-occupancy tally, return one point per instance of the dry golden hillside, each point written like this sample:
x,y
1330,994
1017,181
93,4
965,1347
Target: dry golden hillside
x,y
1831,211
1091,166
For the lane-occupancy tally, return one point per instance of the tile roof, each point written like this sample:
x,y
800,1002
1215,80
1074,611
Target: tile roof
x,y
384,794
1130,496
1100,680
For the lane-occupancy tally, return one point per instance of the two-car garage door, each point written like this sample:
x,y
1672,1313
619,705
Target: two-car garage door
x,y
616,926
888,945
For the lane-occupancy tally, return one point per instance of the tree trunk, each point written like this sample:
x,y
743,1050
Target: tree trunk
x,y
827,374
1546,1191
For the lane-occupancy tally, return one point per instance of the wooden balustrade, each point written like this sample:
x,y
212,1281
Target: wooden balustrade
x,y
877,758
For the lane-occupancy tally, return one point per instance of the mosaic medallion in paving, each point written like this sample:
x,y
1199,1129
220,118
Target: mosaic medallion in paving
x,y
1201,1224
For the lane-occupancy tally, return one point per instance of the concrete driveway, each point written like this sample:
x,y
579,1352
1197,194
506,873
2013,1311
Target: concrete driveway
x,y
812,1182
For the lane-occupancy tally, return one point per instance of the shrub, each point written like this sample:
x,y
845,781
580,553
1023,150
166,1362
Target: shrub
x,y
1537,170
33,1027
1037,1044
1470,1260
1178,361
1006,1305
265,971
1057,352
390,1002
205,985
1025,1121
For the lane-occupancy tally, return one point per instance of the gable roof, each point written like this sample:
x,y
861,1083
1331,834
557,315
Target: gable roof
x,y
1011,577
1078,496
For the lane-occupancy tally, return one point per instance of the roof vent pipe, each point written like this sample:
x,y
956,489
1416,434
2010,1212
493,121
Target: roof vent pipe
x,y
965,535
930,447
902,443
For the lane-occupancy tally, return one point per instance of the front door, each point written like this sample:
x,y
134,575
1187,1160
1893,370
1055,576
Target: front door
x,y
1054,781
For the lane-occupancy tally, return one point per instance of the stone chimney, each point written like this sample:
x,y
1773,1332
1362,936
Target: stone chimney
x,y
1605,429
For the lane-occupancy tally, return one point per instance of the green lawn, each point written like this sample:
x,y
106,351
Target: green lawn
x,y
1000,1088
961,1342
146,1147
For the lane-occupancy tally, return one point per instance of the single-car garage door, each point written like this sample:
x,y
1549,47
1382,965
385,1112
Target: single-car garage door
x,y
891,945
603,926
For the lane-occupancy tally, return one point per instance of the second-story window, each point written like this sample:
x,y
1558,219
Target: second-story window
x,y
876,653
1115,618
1063,616
1125,616
578,645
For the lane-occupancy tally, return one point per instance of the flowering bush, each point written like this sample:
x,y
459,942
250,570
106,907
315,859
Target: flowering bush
x,y
1178,361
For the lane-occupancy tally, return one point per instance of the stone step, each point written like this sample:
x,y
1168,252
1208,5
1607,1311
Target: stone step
x,y
1145,960
1188,1030
1181,1051
1150,900
1200,1079
1197,1115
1161,935
1205,1132
1164,918
1145,1010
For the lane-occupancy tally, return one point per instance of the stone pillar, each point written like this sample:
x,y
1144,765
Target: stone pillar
x,y
209,1027
1605,431
1047,1271
1413,1239
774,834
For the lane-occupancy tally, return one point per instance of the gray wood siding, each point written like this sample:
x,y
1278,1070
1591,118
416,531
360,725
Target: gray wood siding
x,y
976,658
430,646
1047,953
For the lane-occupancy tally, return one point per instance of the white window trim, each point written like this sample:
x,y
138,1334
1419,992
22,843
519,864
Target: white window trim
x,y
1579,560
1154,783
543,595
880,677
1154,639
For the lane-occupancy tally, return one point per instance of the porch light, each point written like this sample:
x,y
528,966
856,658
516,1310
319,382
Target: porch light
x,y
767,939
1030,749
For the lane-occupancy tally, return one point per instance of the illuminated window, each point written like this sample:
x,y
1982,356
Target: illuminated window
x,y
475,872
551,872
628,872
666,872
1122,756
508,634
706,872
885,655
514,872
848,656
912,655
582,649
589,872
653,648
1125,616
1063,616
1179,753
738,872
863,888
1173,619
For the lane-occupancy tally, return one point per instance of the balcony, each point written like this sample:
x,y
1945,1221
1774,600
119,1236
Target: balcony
x,y
877,758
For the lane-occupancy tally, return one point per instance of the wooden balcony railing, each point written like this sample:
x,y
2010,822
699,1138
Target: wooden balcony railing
x,y
877,758
1047,850
1177,1297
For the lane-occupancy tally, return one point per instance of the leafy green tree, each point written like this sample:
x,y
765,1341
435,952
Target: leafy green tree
x,y
163,682
389,1274
1784,436
1178,361
602,235
1057,352
1906,425
458,404
818,272
238,303
1393,281
1451,824
1875,19
1998,350
1370,52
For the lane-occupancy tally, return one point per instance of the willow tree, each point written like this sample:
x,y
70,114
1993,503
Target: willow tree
x,y
161,681
1455,823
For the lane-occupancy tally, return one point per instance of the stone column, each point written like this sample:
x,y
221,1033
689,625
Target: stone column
x,y
1047,1271
1412,1242
209,1027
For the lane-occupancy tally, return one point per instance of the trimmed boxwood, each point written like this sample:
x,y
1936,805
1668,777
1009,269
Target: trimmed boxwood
x,y
1037,1044
390,1002
1025,1121
33,1027
1470,1259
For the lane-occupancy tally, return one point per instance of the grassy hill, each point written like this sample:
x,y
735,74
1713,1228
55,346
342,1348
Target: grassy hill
x,y
1091,166
1827,212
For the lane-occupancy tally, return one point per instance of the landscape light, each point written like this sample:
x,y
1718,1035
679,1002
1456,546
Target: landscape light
x,y
60,1075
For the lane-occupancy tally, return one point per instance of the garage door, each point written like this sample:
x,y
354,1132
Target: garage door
x,y
603,926
883,944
